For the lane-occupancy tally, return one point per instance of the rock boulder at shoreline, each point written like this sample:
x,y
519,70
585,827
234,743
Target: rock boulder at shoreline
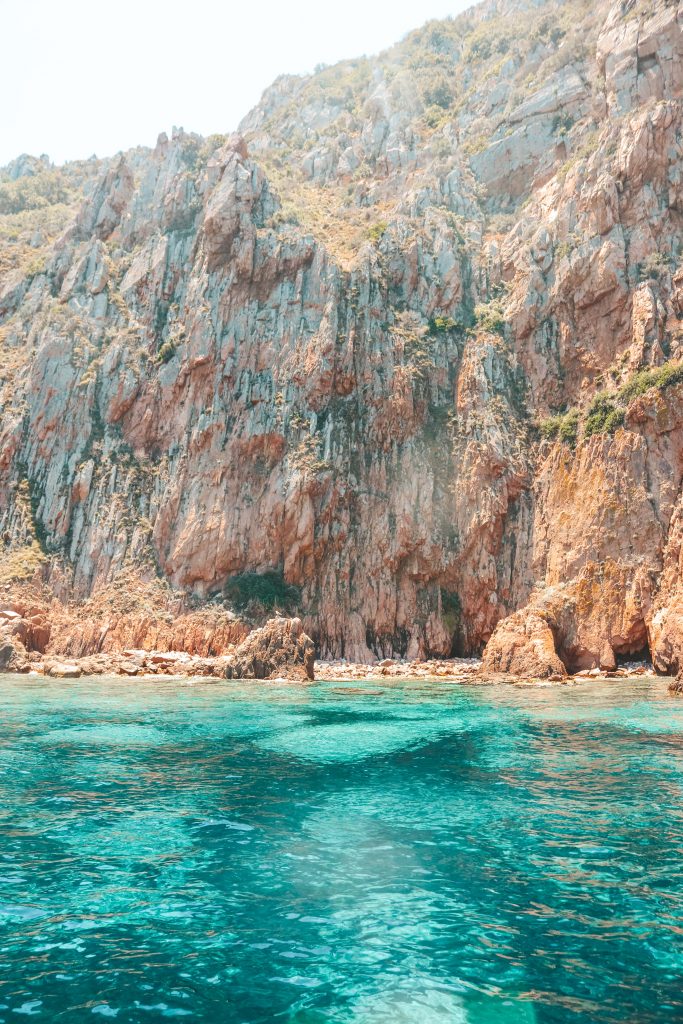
x,y
278,649
523,645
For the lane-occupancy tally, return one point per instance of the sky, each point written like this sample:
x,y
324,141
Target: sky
x,y
96,76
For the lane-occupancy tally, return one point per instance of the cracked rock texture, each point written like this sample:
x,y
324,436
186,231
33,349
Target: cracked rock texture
x,y
330,347
280,648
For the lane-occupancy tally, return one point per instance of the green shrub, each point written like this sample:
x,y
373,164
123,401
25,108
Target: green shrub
x,y
562,123
476,144
569,428
603,416
35,266
437,117
377,230
668,375
606,412
166,352
35,192
490,316
660,377
267,589
613,421
637,385
563,427
438,93
442,324
490,37
549,428
653,266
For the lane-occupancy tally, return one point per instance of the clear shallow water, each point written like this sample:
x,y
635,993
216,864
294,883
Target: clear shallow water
x,y
391,854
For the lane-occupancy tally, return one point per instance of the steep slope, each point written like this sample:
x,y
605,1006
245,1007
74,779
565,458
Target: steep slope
x,y
333,348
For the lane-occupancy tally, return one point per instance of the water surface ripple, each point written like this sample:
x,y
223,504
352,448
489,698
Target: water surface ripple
x,y
401,854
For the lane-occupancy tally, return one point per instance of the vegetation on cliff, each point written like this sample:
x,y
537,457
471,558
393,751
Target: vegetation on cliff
x,y
606,411
319,347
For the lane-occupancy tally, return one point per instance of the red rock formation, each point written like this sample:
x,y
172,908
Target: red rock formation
x,y
129,614
524,645
334,365
280,648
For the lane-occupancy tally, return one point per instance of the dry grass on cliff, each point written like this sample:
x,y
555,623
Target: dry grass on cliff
x,y
325,211
26,237
132,591
21,564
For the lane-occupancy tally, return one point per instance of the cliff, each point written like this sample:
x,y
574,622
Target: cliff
x,y
406,348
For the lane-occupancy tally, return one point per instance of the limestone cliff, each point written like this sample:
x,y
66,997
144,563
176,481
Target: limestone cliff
x,y
407,343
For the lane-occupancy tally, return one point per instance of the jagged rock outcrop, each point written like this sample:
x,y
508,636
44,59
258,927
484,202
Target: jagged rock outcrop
x,y
278,649
129,615
360,344
586,623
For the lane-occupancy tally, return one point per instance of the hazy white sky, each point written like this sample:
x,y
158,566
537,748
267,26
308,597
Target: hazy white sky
x,y
94,76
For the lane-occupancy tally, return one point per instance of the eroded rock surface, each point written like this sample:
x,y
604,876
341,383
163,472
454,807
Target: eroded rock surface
x,y
278,649
331,347
524,645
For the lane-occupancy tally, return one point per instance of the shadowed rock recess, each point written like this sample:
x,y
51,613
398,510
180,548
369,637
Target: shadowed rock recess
x,y
401,358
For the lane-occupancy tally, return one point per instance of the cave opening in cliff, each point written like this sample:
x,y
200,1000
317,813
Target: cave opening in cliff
x,y
635,649
631,654
457,647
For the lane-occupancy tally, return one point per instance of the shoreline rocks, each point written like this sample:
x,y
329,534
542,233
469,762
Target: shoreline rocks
x,y
279,649
451,669
524,645
522,650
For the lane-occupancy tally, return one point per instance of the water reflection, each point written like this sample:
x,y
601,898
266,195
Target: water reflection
x,y
415,853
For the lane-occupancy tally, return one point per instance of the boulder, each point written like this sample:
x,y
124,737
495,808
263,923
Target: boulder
x,y
9,615
128,668
60,670
12,655
280,648
524,645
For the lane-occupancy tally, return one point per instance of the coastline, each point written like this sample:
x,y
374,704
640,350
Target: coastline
x,y
464,670
34,642
142,665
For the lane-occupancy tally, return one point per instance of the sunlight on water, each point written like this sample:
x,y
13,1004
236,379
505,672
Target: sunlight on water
x,y
354,741
410,854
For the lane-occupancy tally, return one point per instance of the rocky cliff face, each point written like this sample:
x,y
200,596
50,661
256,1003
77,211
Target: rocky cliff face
x,y
408,342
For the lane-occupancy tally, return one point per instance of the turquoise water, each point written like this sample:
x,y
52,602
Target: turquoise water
x,y
399,854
